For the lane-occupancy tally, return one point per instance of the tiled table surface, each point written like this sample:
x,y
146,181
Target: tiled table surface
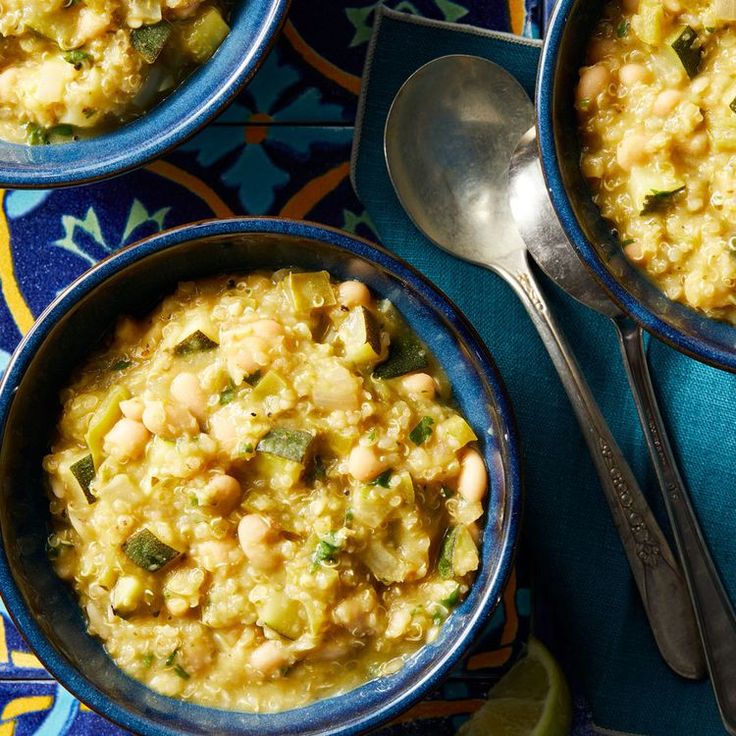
x,y
282,149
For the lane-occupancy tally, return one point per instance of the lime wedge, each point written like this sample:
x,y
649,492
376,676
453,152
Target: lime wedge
x,y
532,699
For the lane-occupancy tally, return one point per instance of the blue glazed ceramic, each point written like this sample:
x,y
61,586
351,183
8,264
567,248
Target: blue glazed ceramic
x,y
685,329
193,104
133,281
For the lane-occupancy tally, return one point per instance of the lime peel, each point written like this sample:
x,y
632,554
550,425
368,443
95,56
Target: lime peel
x,y
532,699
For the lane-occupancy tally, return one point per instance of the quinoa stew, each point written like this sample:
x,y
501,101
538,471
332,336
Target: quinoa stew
x,y
262,493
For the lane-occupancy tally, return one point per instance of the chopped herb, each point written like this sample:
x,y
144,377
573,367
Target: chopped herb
x,y
349,516
36,135
193,500
584,104
179,670
422,432
121,365
245,448
372,435
170,659
622,29
626,242
452,600
197,342
77,57
326,549
657,200
228,394
383,479
147,660
732,104
437,619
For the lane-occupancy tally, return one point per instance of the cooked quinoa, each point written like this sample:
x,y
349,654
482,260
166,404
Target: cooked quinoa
x,y
657,110
71,68
262,493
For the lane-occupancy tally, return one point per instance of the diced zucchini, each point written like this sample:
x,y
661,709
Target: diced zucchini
x,y
282,614
203,36
684,42
84,471
648,23
293,444
149,41
280,472
102,421
651,189
422,431
404,486
385,563
458,555
197,342
147,551
309,291
406,354
456,432
127,594
361,336
270,385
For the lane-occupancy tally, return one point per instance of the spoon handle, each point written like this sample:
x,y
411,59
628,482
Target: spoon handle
x,y
661,586
713,611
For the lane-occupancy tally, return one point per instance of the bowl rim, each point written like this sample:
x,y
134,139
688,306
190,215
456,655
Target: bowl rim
x,y
136,141
509,447
696,347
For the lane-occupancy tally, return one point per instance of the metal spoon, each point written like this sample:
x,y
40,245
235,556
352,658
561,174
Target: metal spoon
x,y
541,230
449,137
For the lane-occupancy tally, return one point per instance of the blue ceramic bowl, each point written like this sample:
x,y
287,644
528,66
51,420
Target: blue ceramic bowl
x,y
193,104
685,329
131,282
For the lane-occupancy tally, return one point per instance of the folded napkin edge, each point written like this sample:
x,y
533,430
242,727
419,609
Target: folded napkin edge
x,y
382,11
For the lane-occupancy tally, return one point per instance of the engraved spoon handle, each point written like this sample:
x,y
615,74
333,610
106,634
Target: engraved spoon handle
x,y
661,586
713,611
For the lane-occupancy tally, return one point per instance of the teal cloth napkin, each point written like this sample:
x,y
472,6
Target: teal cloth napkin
x,y
579,566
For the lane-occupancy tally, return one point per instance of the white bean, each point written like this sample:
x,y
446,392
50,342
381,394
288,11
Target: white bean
x,y
256,537
168,420
364,464
593,81
472,483
132,408
222,491
354,294
420,384
269,657
185,389
666,102
267,328
252,354
126,440
630,74
631,151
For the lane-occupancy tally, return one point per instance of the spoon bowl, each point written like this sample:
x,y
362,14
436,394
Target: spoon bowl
x,y
468,118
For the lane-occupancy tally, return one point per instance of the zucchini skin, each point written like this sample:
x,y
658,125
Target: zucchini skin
x,y
147,551
197,342
149,41
406,354
292,444
84,471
